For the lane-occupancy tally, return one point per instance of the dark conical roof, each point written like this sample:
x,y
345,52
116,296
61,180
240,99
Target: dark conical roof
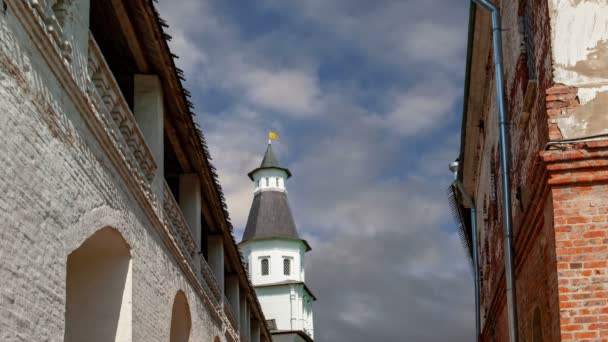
x,y
269,159
269,162
270,217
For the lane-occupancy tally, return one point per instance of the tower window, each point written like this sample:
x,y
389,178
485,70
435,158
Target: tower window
x,y
286,266
265,266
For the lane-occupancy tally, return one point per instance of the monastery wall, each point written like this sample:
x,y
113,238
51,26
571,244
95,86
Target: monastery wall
x,y
60,186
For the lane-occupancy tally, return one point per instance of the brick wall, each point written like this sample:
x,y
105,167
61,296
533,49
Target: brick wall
x,y
580,198
559,188
58,187
536,282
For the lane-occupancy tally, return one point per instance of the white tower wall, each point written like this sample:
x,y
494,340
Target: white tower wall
x,y
274,254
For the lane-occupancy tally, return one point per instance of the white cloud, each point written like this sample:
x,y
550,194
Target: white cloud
x,y
291,91
372,209
421,109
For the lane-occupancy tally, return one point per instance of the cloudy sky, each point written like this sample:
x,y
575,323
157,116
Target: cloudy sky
x,y
367,98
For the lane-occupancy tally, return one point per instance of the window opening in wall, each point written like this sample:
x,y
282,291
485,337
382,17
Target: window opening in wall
x,y
106,29
529,41
286,266
265,266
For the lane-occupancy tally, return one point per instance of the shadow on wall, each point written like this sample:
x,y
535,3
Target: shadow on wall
x,y
98,289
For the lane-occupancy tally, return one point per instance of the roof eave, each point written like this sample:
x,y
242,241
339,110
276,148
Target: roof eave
x,y
467,80
250,174
306,244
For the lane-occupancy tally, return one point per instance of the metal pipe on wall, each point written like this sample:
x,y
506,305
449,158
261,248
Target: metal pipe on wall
x,y
504,164
476,272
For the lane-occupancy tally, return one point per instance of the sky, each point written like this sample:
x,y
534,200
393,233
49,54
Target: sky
x,y
366,96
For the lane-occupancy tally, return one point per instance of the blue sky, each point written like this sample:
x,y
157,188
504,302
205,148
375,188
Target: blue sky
x,y
367,98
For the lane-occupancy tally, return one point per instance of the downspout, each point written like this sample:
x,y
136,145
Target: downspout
x,y
504,165
470,203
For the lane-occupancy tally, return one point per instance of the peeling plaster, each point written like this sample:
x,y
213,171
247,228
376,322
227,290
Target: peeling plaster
x,y
589,119
579,39
586,95
596,63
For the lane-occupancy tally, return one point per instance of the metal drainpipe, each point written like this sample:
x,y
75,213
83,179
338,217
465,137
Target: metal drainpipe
x,y
476,273
504,164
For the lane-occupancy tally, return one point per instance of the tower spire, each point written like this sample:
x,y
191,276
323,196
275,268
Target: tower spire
x,y
274,251
270,215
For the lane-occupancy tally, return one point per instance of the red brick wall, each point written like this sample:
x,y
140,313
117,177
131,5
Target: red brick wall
x,y
560,201
580,198
534,239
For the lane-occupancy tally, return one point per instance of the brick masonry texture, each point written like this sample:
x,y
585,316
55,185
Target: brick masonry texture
x,y
536,280
58,187
559,192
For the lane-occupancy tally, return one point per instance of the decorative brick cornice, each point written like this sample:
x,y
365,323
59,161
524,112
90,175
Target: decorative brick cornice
x,y
583,162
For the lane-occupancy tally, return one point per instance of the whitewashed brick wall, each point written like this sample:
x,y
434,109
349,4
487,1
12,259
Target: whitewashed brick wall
x,y
57,187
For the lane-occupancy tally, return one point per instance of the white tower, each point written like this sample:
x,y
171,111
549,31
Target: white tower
x,y
274,253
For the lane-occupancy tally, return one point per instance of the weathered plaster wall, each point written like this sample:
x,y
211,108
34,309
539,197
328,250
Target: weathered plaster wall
x,y
59,187
579,38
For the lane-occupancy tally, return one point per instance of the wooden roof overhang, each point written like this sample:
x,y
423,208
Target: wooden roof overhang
x,y
143,29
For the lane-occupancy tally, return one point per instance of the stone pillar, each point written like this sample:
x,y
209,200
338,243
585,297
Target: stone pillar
x,y
244,318
149,113
215,250
233,295
255,330
190,203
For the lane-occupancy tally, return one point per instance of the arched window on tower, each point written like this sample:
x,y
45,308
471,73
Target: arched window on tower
x,y
265,266
286,266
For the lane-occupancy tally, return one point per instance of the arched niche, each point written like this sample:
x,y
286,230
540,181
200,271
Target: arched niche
x,y
537,332
98,290
181,322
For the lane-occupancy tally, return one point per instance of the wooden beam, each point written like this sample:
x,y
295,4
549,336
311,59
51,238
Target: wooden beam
x,y
131,37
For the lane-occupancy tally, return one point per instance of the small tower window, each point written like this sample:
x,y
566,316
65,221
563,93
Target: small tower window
x,y
286,266
265,266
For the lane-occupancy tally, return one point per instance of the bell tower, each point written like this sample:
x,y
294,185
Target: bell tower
x,y
274,254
